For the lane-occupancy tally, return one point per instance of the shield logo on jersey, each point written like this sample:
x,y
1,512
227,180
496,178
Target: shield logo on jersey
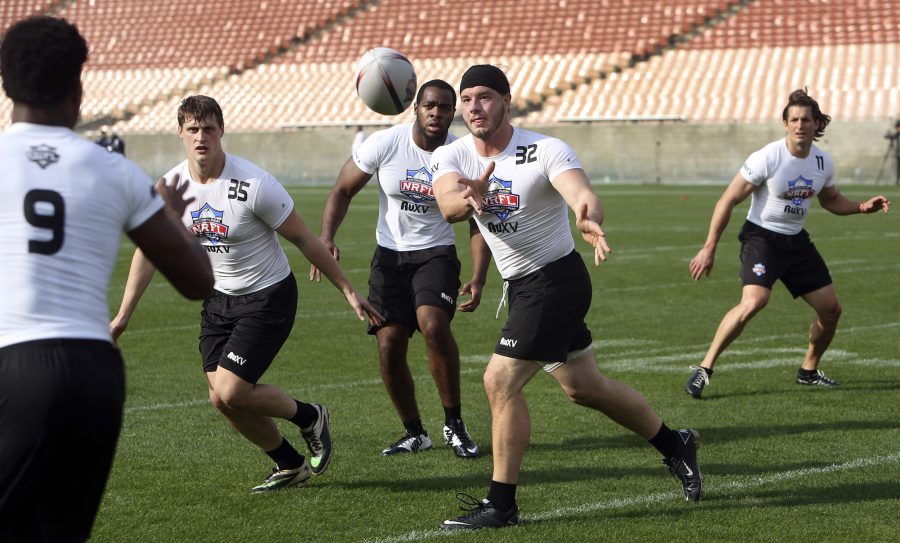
x,y
798,190
499,198
417,186
208,224
759,269
43,155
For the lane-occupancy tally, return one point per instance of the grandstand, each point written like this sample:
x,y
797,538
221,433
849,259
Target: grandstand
x,y
276,64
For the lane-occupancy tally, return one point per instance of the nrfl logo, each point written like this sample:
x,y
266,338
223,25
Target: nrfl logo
x,y
417,185
208,224
798,190
759,269
499,198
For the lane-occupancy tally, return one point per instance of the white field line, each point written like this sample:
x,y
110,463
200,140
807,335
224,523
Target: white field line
x,y
735,485
641,361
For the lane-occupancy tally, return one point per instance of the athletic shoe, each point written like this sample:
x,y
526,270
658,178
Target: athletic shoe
x,y
698,380
481,514
283,478
683,466
818,378
409,443
456,436
318,440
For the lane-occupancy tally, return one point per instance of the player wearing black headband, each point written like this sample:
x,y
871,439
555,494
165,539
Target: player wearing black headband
x,y
518,185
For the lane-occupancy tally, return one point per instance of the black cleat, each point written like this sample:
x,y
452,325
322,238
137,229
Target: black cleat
x,y
684,467
481,514
409,443
697,381
318,440
283,478
456,436
818,378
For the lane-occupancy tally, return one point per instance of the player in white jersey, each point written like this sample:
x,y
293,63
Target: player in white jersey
x,y
238,212
415,271
520,184
64,203
782,178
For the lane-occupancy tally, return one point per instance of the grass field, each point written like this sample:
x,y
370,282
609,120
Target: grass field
x,y
781,462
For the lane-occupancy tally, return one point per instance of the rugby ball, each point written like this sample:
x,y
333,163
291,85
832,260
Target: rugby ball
x,y
385,81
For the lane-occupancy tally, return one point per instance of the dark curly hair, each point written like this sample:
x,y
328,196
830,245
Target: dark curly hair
x,y
800,98
198,108
41,60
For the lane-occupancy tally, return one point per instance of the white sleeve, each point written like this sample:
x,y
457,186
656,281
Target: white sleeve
x,y
444,161
272,204
755,169
557,157
829,171
366,155
144,201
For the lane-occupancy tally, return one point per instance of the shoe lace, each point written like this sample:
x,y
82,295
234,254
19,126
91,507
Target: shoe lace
x,y
700,377
312,439
405,438
470,503
457,435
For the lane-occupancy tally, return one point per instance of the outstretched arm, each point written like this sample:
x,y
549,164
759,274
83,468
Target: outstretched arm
x,y
831,199
163,242
481,258
575,188
295,230
349,182
458,197
736,192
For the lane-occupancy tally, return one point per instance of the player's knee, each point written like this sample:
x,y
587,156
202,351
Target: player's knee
x,y
495,387
217,401
233,399
831,314
753,305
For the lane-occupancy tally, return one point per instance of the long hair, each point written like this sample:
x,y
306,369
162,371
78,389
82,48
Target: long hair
x,y
801,98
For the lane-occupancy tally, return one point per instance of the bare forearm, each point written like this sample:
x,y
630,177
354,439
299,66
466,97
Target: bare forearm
x,y
718,223
334,213
139,276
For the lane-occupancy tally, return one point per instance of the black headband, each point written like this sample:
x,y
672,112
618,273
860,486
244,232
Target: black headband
x,y
485,75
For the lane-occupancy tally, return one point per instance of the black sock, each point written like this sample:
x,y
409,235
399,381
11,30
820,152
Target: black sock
x,y
666,441
806,373
286,456
502,495
414,427
305,416
452,415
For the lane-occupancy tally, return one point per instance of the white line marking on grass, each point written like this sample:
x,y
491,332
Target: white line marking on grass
x,y
736,484
293,391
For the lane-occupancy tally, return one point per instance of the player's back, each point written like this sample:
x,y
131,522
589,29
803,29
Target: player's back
x,y
64,202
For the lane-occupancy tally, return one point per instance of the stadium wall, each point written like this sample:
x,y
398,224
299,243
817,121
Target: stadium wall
x,y
664,152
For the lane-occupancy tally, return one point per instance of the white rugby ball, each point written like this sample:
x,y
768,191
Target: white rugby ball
x,y
385,81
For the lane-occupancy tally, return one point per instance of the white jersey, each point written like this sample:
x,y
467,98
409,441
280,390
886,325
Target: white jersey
x,y
525,221
64,202
408,216
235,217
786,184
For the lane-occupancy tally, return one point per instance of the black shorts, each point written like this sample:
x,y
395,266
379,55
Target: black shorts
x,y
768,256
60,415
243,333
546,312
401,281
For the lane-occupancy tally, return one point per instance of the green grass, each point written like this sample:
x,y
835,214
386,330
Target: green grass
x,y
782,463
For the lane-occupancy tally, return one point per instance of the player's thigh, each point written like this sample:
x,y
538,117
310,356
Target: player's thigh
x,y
264,321
390,290
546,312
435,280
807,273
